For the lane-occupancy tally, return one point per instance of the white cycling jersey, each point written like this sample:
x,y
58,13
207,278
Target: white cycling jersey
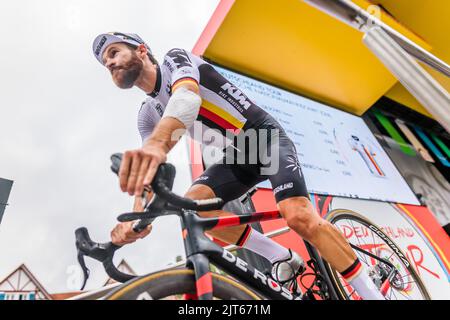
x,y
224,107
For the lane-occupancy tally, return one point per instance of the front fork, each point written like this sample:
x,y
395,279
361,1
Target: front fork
x,y
386,278
203,279
197,262
319,282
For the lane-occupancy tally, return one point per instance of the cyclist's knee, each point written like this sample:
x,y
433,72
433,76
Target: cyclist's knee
x,y
199,192
304,224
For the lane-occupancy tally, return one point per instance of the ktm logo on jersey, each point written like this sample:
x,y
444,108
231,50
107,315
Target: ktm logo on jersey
x,y
237,94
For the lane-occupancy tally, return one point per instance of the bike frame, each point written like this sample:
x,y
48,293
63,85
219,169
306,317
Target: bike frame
x,y
200,251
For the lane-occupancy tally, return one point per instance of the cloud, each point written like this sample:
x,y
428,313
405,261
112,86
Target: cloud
x,y
61,118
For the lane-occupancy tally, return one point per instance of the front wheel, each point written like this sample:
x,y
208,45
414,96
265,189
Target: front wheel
x,y
174,284
361,232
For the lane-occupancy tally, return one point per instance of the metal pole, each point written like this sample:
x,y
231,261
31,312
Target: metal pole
x,y
349,13
395,51
423,86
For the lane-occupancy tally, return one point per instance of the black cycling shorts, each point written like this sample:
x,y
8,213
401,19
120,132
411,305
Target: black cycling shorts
x,y
276,160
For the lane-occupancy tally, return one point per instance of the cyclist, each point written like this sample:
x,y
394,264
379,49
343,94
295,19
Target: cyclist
x,y
185,91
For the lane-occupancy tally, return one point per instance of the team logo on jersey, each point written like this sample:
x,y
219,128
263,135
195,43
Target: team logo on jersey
x,y
283,187
159,109
236,94
180,58
168,65
202,178
293,163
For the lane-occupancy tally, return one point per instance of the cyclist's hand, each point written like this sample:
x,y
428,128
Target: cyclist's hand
x,y
138,168
123,233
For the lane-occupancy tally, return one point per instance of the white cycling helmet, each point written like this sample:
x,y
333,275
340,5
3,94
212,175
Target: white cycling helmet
x,y
103,40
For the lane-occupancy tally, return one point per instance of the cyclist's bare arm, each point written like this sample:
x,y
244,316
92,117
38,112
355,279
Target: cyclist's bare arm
x,y
139,166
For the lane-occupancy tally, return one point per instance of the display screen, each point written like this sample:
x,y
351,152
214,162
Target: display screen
x,y
337,152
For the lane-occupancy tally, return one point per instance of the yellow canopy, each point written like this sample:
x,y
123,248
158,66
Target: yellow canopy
x,y
294,46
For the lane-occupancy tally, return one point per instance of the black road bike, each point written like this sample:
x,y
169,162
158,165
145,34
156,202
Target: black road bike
x,y
389,267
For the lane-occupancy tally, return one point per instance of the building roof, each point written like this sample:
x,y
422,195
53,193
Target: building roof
x,y
22,279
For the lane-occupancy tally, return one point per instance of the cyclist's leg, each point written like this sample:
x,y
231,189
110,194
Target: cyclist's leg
x,y
229,235
225,181
294,205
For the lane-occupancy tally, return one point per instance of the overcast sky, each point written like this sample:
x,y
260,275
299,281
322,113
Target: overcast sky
x,y
62,117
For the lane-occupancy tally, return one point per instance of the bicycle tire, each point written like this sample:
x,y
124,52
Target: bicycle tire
x,y
164,284
340,214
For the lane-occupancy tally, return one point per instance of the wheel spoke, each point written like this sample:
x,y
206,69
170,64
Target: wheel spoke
x,y
362,239
353,226
406,275
390,256
373,237
410,282
378,246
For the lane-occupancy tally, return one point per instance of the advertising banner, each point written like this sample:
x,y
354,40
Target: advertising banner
x,y
338,153
426,247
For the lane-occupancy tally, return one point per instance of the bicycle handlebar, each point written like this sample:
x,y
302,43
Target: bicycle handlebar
x,y
103,252
163,199
162,185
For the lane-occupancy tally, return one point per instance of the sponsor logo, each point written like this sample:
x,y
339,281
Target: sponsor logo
x,y
180,58
100,45
159,109
272,284
293,163
185,71
202,178
285,186
391,245
168,65
236,94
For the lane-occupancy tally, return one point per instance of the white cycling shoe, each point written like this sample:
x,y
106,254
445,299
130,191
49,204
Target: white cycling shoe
x,y
285,272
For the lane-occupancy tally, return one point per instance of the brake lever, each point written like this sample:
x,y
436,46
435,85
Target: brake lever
x,y
155,203
86,271
103,252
